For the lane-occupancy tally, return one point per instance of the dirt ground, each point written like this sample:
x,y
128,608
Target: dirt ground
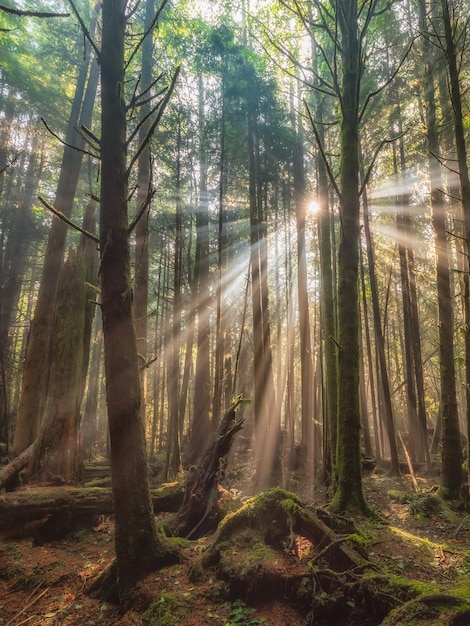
x,y
46,584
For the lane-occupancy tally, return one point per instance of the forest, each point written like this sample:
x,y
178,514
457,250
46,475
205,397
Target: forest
x,y
234,312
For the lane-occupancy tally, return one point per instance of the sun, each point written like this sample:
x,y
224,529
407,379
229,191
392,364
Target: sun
x,y
313,207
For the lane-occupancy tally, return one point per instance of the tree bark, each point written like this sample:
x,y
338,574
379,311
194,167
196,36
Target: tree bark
x,y
451,475
35,373
349,493
138,547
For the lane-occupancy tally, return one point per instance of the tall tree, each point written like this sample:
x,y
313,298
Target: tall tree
x,y
451,475
138,547
35,373
200,427
452,455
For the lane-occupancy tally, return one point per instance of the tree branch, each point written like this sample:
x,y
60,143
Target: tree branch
x,y
69,145
142,210
24,13
85,31
156,121
322,151
65,219
374,158
376,92
147,32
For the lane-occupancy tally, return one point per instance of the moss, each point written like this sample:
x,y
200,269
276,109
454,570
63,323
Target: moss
x,y
248,559
358,540
179,542
168,610
399,496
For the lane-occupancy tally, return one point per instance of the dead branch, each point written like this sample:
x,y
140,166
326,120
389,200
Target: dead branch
x,y
25,13
147,32
65,219
152,128
64,143
85,31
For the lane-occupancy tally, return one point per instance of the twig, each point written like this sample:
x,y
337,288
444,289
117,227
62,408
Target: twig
x,y
29,603
65,219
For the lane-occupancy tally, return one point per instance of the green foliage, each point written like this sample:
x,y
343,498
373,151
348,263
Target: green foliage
x,y
243,615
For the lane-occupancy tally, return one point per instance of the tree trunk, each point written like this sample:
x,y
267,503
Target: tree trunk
x,y
380,345
144,191
35,373
201,423
451,475
451,471
349,494
138,547
306,362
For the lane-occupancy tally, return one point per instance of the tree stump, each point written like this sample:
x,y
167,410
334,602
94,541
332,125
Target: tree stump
x,y
200,512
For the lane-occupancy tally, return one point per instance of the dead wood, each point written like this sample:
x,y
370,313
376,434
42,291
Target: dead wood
x,y
11,471
52,512
200,512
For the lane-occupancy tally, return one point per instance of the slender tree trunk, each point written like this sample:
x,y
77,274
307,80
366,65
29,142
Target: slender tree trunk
x,y
306,365
201,423
144,184
380,345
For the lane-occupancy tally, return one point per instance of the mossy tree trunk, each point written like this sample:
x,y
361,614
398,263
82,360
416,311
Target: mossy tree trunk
x,y
349,493
138,547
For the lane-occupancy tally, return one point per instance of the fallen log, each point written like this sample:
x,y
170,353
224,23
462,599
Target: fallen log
x,y
48,513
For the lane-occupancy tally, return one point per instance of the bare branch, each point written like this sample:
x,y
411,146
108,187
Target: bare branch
x,y
147,32
138,100
322,151
91,136
155,123
142,210
85,30
376,92
146,117
65,219
12,162
24,13
374,159
69,145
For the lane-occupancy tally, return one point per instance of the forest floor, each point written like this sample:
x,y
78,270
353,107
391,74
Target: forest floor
x,y
420,542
